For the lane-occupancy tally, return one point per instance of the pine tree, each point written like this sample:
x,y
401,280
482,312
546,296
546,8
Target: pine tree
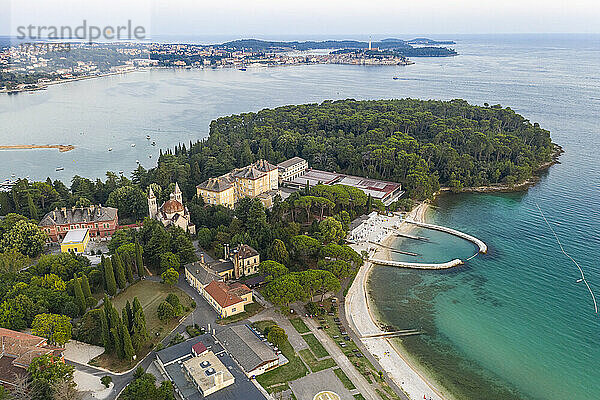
x,y
128,351
139,262
119,271
79,297
106,337
85,285
128,270
109,276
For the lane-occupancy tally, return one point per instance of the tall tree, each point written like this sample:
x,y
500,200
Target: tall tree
x,y
128,351
106,336
119,271
85,285
139,262
109,277
79,296
127,262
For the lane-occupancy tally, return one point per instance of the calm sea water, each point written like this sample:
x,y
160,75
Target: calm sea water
x,y
510,324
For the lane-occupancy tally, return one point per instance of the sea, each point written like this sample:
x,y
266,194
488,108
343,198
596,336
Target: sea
x,y
510,324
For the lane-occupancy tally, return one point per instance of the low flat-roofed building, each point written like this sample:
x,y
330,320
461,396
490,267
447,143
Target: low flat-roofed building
x,y
290,169
75,241
171,360
251,353
208,373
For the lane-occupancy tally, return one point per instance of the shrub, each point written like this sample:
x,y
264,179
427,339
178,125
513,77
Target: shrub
x,y
106,380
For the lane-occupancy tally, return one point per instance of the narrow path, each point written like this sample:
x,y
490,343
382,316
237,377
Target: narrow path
x,y
342,361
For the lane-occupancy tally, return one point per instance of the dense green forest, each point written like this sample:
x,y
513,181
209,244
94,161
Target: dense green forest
x,y
421,144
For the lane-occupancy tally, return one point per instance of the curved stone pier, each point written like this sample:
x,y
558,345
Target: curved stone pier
x,y
479,243
402,264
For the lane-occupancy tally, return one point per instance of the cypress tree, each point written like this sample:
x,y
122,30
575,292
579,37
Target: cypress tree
x,y
107,309
106,339
119,271
117,341
79,297
103,270
140,333
127,262
128,351
129,312
85,285
109,276
139,262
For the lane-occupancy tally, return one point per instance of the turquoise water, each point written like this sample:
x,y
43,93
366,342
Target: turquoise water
x,y
510,324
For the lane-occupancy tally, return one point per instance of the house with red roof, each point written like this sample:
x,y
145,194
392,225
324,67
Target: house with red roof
x,y
227,299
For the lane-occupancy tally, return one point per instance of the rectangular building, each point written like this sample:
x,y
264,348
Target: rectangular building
x,y
101,221
290,169
227,300
75,241
251,353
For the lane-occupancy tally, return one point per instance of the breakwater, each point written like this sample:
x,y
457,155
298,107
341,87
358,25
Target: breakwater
x,y
479,243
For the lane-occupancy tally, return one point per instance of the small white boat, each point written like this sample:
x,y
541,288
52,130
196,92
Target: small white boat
x,y
60,168
110,149
137,161
148,137
121,172
132,144
150,156
579,280
153,143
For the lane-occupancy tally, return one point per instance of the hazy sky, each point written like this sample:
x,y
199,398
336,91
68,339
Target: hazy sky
x,y
304,17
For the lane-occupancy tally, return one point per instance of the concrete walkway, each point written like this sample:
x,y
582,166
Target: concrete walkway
x,y
342,361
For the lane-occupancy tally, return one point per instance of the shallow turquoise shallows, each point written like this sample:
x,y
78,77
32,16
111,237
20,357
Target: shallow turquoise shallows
x,y
510,324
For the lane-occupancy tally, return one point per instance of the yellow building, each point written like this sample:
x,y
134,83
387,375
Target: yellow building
x,y
260,179
75,241
227,300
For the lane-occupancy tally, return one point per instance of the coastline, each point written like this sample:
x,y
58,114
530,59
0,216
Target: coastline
x,y
412,377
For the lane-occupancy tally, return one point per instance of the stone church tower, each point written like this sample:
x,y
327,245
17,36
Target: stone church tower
x,y
152,206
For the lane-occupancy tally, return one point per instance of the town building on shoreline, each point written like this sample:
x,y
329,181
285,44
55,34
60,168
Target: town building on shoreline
x,y
172,212
258,180
101,221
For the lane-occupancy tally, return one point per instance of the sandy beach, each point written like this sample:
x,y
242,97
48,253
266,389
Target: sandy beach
x,y
362,319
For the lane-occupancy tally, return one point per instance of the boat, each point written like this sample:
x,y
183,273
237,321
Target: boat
x,y
150,156
243,69
110,149
60,168
137,161
153,143
121,172
395,78
147,137
132,144
579,280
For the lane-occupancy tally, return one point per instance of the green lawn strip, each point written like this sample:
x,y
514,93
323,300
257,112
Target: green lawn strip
x,y
273,380
344,379
299,325
316,346
314,364
359,397
150,294
382,394
249,311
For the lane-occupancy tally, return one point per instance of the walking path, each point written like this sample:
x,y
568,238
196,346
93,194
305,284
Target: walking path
x,y
342,361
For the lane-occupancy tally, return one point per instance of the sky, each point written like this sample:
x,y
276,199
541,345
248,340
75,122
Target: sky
x,y
265,18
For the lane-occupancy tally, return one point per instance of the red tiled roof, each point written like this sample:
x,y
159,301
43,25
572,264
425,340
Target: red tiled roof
x,y
21,348
199,348
222,294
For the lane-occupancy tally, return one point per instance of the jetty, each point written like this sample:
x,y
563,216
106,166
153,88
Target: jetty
x,y
413,265
61,147
405,332
479,243
407,253
406,235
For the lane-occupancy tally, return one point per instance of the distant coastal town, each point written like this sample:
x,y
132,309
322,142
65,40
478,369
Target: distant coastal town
x,y
34,66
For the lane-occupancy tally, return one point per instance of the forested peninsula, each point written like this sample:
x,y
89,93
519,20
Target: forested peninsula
x,y
421,144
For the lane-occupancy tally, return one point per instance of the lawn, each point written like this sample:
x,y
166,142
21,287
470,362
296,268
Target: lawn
x,y
273,380
316,346
299,325
249,310
344,379
150,294
314,364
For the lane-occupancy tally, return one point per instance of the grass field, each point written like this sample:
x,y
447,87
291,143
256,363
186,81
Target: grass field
x,y
299,325
344,379
150,294
316,346
314,364
249,310
274,380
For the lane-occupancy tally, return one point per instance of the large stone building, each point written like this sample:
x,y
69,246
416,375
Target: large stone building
x,y
292,168
172,212
259,180
101,221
